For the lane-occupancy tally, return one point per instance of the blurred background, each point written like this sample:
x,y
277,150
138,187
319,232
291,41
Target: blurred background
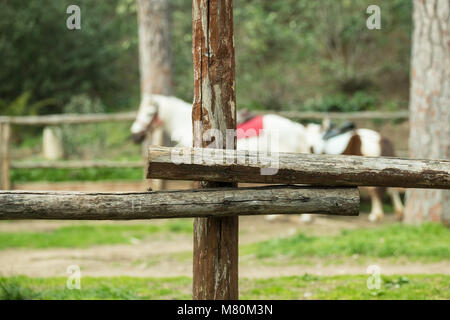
x,y
291,55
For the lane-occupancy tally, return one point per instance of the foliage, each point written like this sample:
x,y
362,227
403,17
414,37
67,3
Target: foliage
x,y
359,101
288,52
22,106
41,56
12,289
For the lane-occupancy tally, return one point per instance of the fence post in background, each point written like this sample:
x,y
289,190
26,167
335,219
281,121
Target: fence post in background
x,y
215,265
5,135
157,139
52,143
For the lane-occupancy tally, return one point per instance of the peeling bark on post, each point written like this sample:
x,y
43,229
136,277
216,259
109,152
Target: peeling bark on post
x,y
215,239
430,104
5,134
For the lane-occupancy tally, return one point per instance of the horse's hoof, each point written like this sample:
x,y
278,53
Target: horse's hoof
x,y
374,218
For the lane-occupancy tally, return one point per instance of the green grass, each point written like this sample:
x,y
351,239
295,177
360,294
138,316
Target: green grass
x,y
424,242
85,174
427,242
84,235
299,287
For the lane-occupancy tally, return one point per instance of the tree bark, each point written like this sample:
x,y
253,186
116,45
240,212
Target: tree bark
x,y
178,204
296,168
430,104
155,52
215,239
155,58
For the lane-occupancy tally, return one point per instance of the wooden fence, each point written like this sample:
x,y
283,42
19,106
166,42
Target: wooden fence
x,y
218,206
6,124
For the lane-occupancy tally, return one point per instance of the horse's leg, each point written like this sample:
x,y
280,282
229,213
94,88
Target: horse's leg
x,y
376,213
397,202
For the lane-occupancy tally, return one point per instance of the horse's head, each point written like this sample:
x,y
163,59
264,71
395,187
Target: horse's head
x,y
148,110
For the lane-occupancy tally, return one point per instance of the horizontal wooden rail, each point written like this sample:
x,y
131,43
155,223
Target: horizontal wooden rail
x,y
364,115
178,204
76,164
59,119
326,170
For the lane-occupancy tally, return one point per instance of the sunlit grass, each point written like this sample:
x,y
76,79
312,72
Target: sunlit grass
x,y
427,241
298,287
82,174
86,235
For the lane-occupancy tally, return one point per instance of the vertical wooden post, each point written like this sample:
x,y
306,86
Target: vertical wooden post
x,y
215,239
5,134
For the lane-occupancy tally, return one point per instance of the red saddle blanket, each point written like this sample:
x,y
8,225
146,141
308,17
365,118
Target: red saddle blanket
x,y
250,128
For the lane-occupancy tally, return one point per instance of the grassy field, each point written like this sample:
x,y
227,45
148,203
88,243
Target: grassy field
x,y
302,287
427,242
305,249
84,174
84,235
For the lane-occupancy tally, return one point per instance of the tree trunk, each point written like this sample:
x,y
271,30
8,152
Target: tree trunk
x,y
155,52
215,239
430,104
155,58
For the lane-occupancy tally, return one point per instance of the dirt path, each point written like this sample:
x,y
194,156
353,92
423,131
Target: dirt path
x,y
168,255
157,259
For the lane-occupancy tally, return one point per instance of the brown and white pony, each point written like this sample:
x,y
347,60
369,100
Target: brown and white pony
x,y
357,142
174,115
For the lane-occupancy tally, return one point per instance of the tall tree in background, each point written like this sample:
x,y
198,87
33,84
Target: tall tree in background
x,y
155,53
430,103
155,59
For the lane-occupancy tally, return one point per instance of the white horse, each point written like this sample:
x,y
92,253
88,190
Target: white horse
x,y
268,133
175,117
359,142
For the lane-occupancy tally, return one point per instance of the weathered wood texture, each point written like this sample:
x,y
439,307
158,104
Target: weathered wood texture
x,y
215,239
58,119
76,164
325,170
430,104
364,115
131,116
220,202
5,135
